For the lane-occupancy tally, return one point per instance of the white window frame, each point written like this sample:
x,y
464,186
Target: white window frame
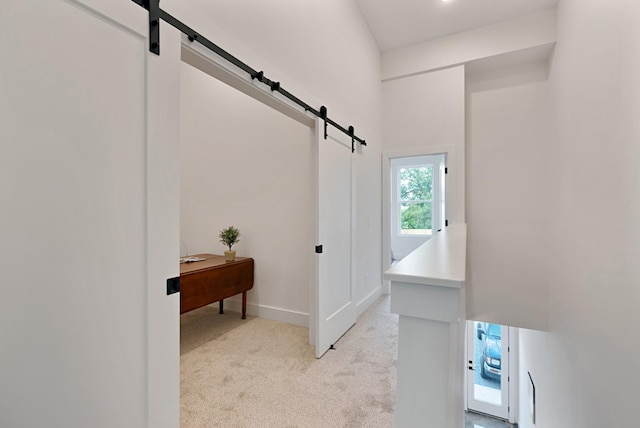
x,y
437,197
399,201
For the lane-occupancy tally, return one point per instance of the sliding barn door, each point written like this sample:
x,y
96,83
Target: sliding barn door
x,y
335,298
89,216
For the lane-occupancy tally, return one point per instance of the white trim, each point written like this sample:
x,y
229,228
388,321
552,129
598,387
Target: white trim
x,y
163,185
269,312
514,370
465,367
293,317
204,60
367,301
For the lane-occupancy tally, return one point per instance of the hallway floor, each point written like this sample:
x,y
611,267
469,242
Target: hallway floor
x,y
258,372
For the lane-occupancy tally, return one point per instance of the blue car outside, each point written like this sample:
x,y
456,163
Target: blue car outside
x,y
492,353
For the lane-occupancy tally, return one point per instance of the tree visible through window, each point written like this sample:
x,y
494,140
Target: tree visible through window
x,y
416,200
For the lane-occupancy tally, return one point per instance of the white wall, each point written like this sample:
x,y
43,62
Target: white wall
x,y
533,359
247,165
507,154
521,34
595,202
320,50
425,114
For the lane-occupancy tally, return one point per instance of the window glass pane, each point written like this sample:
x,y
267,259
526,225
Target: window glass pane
x,y
488,363
416,191
416,184
415,217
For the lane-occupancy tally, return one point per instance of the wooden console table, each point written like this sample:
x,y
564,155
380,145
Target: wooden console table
x,y
213,280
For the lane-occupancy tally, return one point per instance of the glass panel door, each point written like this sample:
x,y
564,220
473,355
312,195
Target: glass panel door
x,y
488,368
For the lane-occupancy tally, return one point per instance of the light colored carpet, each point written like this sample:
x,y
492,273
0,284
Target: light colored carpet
x,y
262,373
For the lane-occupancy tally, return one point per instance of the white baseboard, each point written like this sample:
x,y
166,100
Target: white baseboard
x,y
269,312
292,317
368,300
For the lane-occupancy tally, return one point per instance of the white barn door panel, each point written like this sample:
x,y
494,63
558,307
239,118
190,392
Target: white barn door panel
x,y
89,216
335,310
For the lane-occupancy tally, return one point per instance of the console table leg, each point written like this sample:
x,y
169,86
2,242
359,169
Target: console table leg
x,y
244,305
221,306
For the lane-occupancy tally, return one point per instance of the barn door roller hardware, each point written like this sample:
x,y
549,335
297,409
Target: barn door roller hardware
x,y
323,115
352,135
156,14
154,25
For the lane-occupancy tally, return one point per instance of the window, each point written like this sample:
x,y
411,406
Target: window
x,y
416,200
417,188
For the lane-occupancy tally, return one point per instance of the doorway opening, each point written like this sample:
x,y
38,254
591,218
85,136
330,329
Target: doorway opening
x,y
280,181
492,358
246,165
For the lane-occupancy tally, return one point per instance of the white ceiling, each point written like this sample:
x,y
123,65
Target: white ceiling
x,y
396,23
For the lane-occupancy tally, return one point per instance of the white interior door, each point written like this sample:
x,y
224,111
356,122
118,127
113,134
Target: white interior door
x,y
335,296
89,220
488,368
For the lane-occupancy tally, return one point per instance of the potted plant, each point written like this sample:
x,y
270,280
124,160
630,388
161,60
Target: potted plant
x,y
229,236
